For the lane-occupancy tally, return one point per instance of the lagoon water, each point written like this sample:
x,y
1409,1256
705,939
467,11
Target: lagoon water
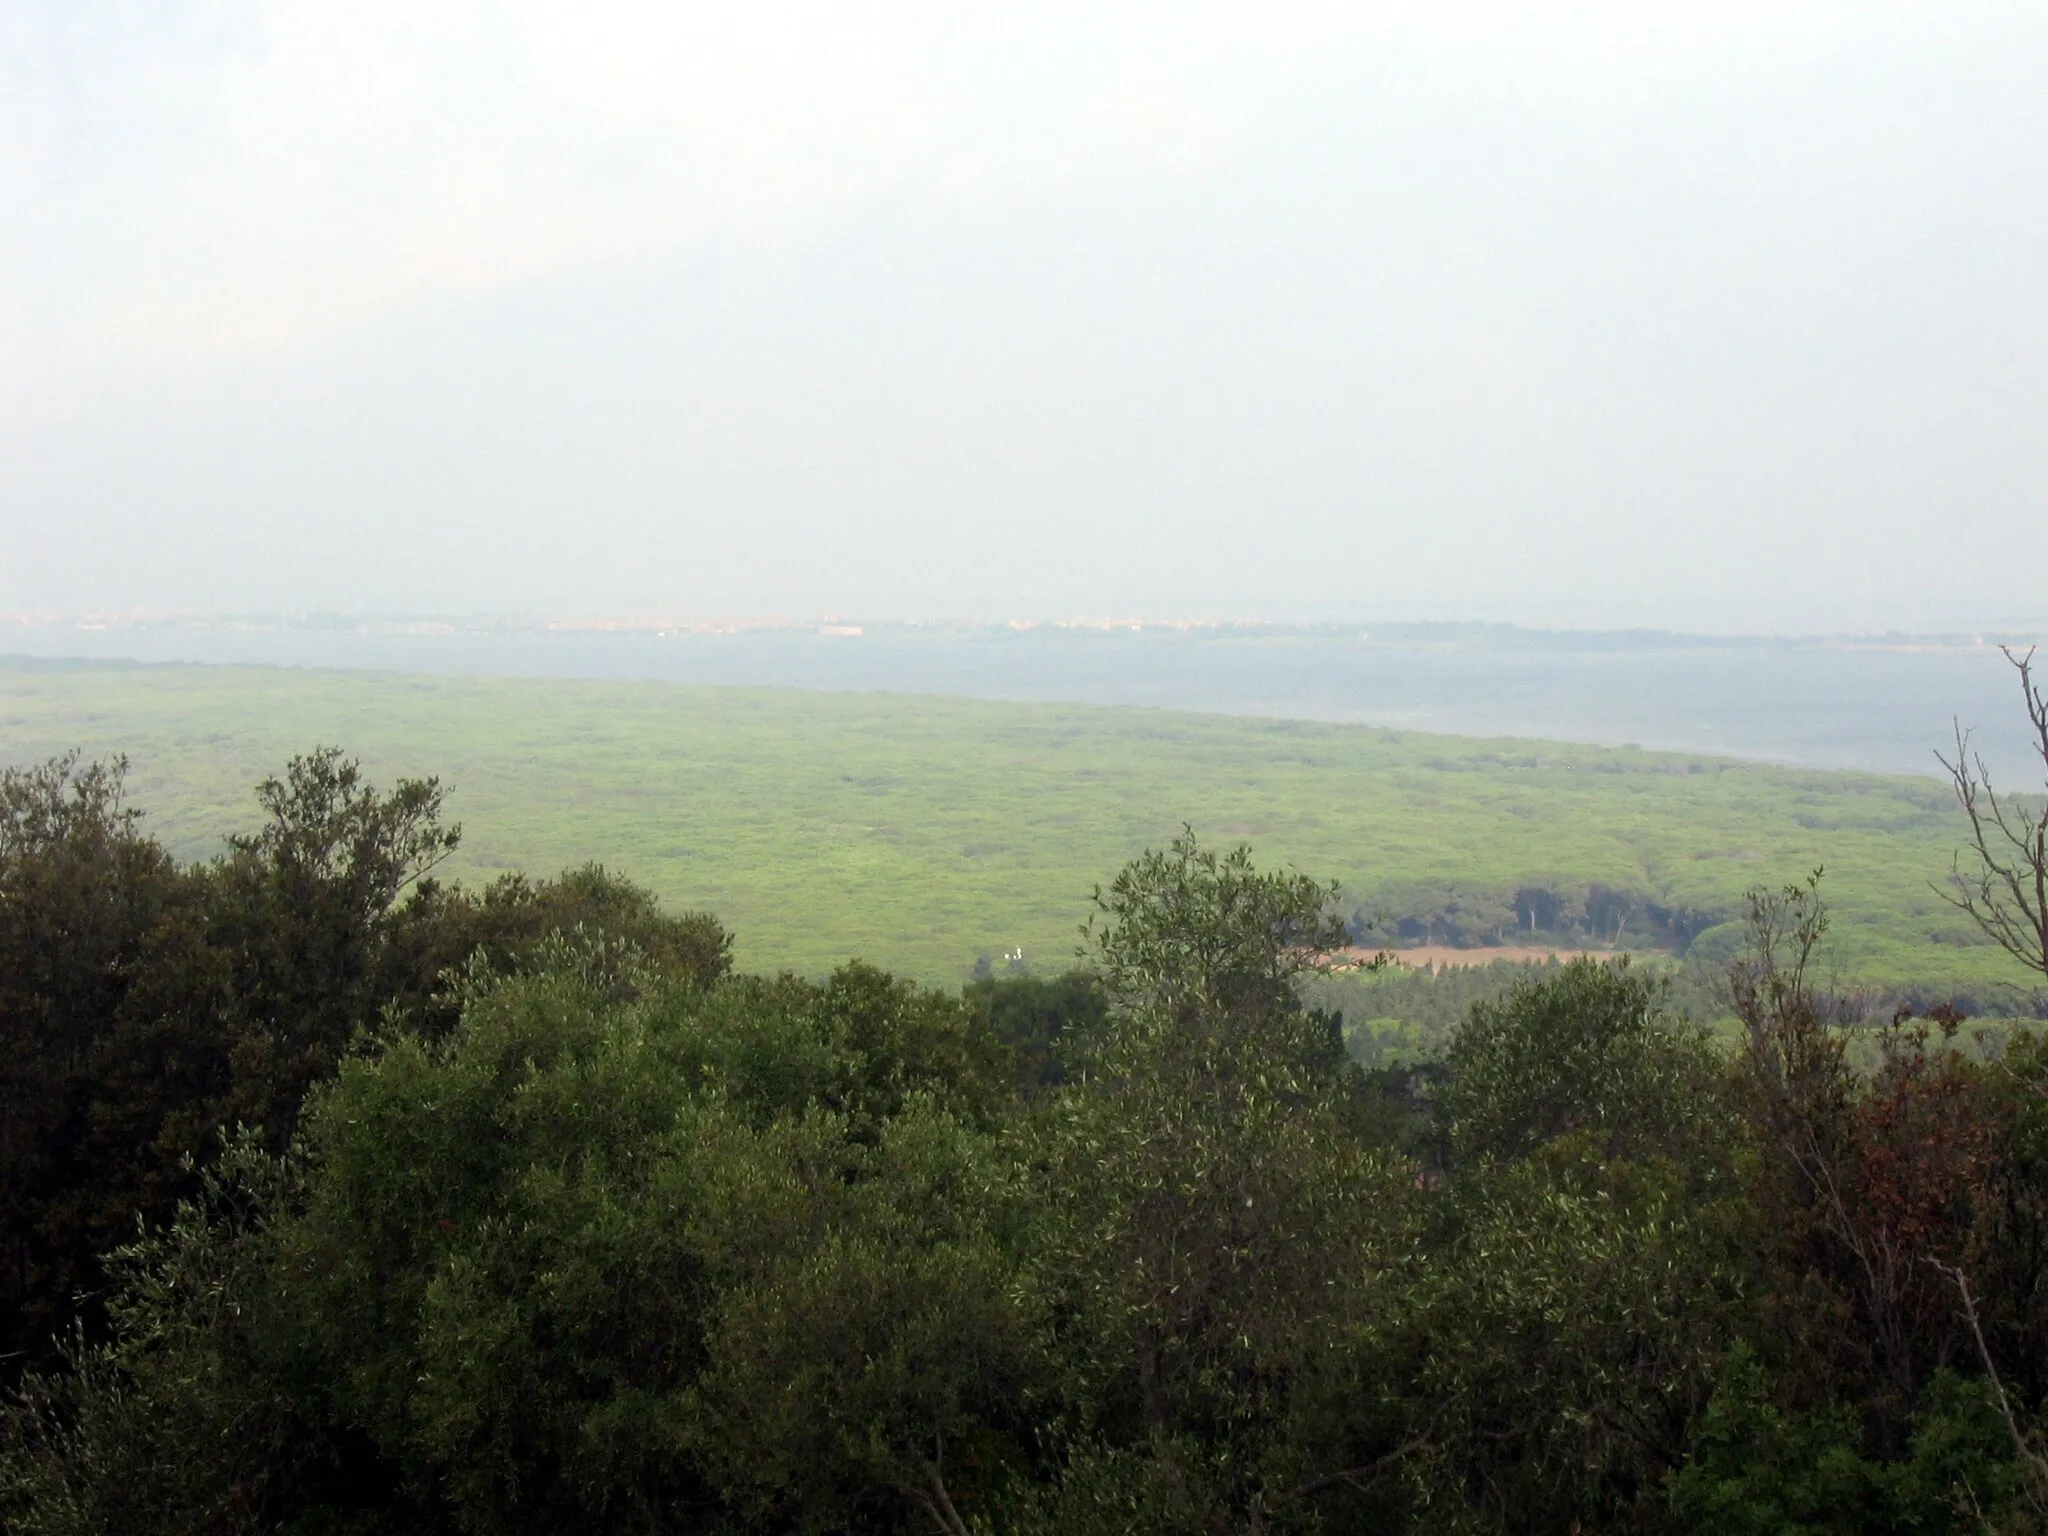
x,y
1883,706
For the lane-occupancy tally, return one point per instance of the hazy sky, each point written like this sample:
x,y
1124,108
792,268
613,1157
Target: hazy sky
x,y
1717,314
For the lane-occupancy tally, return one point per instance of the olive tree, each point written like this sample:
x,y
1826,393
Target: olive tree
x,y
1216,1236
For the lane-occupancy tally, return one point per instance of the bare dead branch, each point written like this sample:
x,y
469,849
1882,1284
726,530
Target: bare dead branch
x,y
1355,1477
2032,1462
936,1502
938,1518
2006,892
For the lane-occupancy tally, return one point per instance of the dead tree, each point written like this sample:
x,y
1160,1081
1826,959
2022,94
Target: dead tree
x,y
2005,891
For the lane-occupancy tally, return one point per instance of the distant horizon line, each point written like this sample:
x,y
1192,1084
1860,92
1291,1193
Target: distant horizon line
x,y
427,624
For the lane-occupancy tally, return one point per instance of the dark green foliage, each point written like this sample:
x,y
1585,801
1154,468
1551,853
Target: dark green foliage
x,y
89,910
1048,1023
509,923
1395,1107
1588,1278
1440,914
299,913
1397,1014
172,1424
573,1230
1221,1238
1194,938
2009,1246
1556,911
617,1252
1584,1049
1570,1327
674,1166
144,1005
1759,1468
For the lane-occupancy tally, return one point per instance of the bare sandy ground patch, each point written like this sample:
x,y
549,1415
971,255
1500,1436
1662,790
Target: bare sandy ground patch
x,y
1437,957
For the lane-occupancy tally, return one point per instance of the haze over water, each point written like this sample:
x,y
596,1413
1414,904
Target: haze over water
x,y
1880,706
1719,317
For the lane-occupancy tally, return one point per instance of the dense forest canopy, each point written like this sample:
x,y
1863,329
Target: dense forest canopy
x,y
337,1197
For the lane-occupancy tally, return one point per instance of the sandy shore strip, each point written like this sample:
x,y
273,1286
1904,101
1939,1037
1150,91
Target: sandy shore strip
x,y
1438,957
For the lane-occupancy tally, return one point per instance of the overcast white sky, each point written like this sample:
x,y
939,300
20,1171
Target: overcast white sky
x,y
1716,315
